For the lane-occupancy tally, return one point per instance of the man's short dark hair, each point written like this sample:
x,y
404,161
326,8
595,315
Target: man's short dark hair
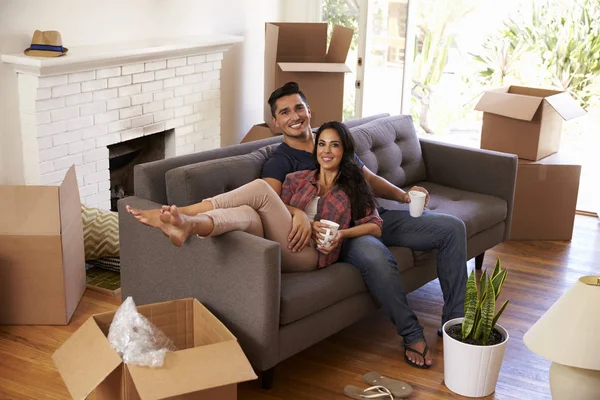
x,y
288,89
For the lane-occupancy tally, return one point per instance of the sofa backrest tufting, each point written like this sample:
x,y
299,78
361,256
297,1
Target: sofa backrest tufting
x,y
388,146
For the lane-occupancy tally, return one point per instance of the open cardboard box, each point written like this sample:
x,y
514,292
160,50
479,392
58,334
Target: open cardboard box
x,y
525,121
208,364
298,52
42,260
545,199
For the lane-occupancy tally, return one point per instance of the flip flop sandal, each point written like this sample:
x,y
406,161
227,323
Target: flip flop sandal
x,y
373,392
423,354
398,388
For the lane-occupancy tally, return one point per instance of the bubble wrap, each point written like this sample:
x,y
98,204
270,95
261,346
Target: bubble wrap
x,y
136,339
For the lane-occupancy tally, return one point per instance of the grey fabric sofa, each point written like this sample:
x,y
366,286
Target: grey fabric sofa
x,y
237,276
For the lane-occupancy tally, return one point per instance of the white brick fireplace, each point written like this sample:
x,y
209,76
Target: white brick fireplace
x,y
73,107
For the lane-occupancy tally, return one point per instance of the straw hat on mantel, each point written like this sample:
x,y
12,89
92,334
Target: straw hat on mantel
x,y
46,44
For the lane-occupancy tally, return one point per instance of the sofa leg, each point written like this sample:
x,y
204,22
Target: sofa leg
x,y
479,261
267,378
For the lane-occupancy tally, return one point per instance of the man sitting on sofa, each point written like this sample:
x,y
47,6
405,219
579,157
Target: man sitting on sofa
x,y
445,233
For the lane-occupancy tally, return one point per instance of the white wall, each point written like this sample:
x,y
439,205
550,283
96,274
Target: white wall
x,y
86,22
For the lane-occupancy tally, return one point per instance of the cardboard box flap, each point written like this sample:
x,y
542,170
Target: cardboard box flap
x,y
300,41
529,91
313,67
341,38
194,369
509,105
85,360
70,202
33,210
566,106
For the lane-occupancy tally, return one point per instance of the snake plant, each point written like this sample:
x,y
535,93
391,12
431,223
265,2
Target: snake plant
x,y
480,305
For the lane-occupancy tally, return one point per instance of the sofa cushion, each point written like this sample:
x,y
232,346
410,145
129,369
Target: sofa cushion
x,y
390,148
304,293
478,211
195,182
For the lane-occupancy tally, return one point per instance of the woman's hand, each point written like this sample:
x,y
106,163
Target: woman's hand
x,y
300,234
333,243
318,230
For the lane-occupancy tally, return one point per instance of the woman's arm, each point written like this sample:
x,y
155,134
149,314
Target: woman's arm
x,y
369,228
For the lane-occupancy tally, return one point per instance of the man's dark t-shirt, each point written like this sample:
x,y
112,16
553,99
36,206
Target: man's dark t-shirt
x,y
286,159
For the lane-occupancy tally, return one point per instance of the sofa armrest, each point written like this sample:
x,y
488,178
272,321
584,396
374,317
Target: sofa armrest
x,y
149,178
473,170
241,287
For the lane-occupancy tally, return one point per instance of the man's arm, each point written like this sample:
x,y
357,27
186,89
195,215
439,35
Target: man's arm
x,y
383,188
299,236
386,190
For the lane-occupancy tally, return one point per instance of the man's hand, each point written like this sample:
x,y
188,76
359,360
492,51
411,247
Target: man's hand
x,y
299,236
418,189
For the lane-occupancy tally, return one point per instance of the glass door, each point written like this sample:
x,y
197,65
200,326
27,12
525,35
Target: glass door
x,y
384,77
383,40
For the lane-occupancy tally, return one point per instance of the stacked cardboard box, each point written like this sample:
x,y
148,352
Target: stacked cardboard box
x,y
297,52
528,122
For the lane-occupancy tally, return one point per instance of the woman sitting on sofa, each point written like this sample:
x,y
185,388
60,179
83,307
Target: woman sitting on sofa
x,y
336,191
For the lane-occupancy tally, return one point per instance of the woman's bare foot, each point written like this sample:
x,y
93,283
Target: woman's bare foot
x,y
176,226
416,358
146,217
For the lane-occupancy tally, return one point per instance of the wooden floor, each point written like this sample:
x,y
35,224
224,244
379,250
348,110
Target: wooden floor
x,y
539,272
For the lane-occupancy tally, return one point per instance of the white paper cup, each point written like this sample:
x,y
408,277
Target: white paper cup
x,y
417,203
330,232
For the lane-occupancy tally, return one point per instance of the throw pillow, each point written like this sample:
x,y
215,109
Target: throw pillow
x,y
100,233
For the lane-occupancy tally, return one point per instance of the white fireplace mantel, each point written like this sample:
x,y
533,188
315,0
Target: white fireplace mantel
x,y
72,107
109,55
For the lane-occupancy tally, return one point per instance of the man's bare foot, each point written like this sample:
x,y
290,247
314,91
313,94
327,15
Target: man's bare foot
x,y
176,226
416,358
146,217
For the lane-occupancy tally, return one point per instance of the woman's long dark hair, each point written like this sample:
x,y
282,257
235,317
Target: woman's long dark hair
x,y
350,178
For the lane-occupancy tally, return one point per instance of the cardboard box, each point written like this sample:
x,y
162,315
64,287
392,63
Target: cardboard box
x,y
258,132
545,199
525,121
208,364
42,260
298,52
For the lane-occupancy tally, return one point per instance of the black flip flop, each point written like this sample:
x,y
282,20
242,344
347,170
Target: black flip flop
x,y
423,354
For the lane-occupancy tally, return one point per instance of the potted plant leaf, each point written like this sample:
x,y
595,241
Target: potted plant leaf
x,y
474,345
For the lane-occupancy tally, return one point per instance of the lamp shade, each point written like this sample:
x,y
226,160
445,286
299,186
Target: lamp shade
x,y
568,332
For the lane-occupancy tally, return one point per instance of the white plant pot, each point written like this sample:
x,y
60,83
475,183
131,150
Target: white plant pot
x,y
470,370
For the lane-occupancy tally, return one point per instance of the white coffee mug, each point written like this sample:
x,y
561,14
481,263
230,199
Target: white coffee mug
x,y
329,232
417,203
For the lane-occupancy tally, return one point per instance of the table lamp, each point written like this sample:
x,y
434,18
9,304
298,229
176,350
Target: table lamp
x,y
567,334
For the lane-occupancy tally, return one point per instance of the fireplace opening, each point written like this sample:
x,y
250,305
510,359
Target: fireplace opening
x,y
125,155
